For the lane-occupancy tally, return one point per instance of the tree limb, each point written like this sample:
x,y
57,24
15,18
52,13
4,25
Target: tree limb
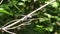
x,y
27,16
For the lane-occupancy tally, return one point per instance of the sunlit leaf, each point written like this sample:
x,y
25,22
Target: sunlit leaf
x,y
44,19
49,29
23,0
20,3
2,10
47,15
39,26
55,4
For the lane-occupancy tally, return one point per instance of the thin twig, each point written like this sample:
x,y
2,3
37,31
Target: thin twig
x,y
16,7
22,19
9,32
9,22
18,19
25,23
40,8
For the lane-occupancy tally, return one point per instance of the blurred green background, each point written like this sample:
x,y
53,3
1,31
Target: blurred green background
x,y
13,9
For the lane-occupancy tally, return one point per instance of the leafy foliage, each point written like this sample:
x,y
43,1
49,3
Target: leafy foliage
x,y
49,24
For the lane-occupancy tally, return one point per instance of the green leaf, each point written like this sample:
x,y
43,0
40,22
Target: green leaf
x,y
2,10
44,19
40,26
55,4
20,3
49,29
13,2
48,15
24,0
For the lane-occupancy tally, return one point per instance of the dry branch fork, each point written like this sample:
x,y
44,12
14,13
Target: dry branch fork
x,y
25,17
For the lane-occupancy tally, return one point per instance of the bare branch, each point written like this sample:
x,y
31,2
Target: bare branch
x,y
1,1
5,28
40,8
9,32
25,23
28,16
9,22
